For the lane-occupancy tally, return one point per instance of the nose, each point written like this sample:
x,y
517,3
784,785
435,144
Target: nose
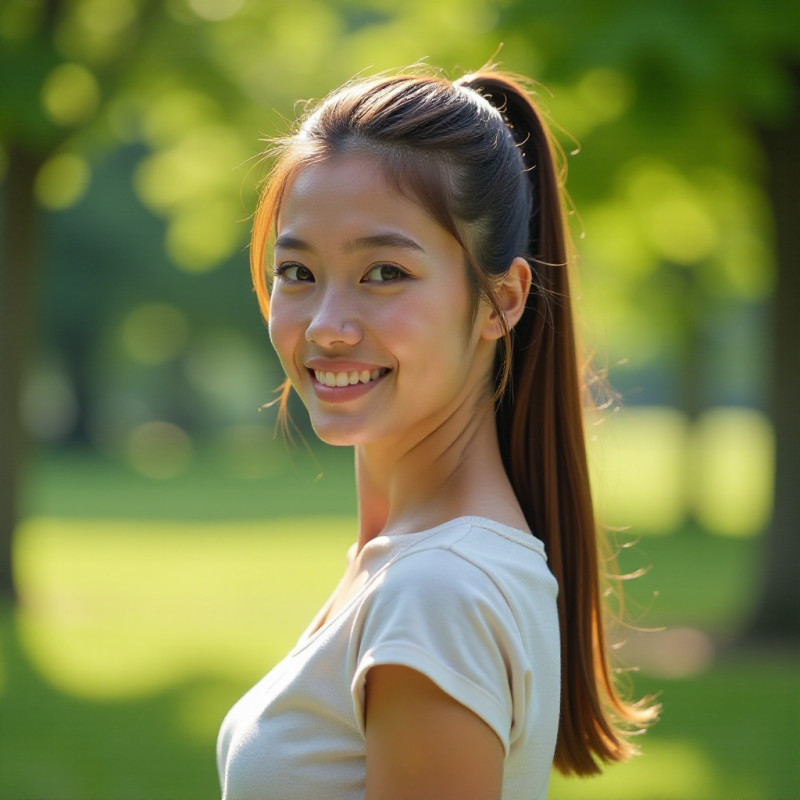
x,y
334,321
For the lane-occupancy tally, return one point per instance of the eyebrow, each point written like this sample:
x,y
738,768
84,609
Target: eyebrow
x,y
388,239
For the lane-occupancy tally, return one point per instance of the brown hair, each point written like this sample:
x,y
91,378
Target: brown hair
x,y
477,156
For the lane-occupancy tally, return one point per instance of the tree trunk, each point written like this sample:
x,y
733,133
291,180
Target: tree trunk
x,y
17,270
777,618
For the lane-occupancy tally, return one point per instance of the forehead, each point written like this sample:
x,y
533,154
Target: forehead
x,y
340,180
350,190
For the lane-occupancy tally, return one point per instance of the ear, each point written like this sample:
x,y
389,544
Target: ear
x,y
512,294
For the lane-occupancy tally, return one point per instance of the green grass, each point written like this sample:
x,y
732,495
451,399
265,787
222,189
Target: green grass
x,y
134,636
133,639
78,484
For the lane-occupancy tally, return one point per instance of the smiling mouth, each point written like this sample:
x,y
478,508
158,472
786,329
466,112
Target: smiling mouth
x,y
349,378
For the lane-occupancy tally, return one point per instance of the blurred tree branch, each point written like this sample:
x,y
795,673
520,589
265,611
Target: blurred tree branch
x,y
777,617
17,303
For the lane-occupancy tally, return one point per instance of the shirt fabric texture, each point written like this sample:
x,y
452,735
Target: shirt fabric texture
x,y
470,604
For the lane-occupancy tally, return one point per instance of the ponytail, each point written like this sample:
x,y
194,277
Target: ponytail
x,y
539,420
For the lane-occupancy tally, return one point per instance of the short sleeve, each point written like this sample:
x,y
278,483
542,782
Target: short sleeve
x,y
441,615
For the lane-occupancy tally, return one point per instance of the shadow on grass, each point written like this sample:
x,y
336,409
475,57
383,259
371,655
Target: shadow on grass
x,y
55,746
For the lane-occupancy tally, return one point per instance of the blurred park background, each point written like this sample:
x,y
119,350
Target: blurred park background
x,y
161,549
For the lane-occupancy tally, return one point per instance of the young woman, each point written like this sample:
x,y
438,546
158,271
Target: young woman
x,y
419,303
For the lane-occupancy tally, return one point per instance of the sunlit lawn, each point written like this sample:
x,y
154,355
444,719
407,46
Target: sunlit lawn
x,y
134,637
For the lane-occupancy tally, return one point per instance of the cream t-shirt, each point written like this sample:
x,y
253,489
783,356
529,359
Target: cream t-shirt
x,y
470,604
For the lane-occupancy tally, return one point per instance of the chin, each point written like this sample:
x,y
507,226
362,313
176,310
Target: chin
x,y
339,435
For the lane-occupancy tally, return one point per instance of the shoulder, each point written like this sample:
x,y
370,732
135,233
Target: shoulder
x,y
470,559
462,608
468,576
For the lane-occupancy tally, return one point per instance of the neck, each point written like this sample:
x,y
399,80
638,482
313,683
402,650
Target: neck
x,y
454,469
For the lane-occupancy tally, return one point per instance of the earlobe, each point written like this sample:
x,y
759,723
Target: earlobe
x,y
512,295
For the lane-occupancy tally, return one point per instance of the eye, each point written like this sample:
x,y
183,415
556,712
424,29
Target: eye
x,y
294,272
385,273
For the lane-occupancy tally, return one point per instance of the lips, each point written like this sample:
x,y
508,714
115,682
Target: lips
x,y
342,378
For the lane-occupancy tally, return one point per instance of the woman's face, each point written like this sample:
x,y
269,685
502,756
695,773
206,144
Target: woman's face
x,y
370,311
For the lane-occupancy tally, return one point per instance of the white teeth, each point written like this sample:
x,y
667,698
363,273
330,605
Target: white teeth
x,y
347,378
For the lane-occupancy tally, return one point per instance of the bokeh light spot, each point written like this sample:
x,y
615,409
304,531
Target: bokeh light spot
x,y
159,450
154,333
637,460
203,234
671,653
672,213
62,181
49,405
607,93
97,30
733,470
251,452
70,94
170,114
215,10
106,17
230,373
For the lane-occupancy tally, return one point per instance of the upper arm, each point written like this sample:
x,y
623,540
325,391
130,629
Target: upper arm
x,y
423,744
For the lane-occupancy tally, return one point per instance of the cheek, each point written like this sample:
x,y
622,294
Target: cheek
x,y
429,336
283,333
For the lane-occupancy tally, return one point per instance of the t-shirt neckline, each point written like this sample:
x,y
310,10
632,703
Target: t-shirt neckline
x,y
391,546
